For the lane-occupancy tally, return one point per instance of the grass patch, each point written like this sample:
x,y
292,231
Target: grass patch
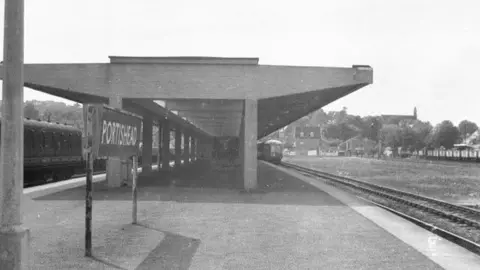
x,y
455,184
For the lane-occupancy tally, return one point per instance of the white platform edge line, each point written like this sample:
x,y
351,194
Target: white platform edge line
x,y
47,189
441,251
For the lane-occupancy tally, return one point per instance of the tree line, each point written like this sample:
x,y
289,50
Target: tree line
x,y
393,132
336,125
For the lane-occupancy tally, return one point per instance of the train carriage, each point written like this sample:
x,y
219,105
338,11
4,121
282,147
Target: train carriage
x,y
271,151
51,151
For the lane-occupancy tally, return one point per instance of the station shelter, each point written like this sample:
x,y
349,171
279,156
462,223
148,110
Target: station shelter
x,y
200,100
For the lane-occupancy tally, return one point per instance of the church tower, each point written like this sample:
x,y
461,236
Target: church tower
x,y
415,113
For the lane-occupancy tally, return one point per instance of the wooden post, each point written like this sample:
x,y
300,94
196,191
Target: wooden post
x,y
134,190
14,237
88,206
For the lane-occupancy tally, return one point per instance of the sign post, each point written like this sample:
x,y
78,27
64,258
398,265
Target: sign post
x,y
88,206
134,190
108,132
91,116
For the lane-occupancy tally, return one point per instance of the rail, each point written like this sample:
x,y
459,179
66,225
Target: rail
x,y
455,213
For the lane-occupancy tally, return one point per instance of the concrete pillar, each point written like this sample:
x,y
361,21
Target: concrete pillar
x,y
186,147
166,145
193,147
114,164
248,144
14,237
160,143
241,141
178,147
147,144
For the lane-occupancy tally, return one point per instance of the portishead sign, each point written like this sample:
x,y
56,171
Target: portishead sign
x,y
111,132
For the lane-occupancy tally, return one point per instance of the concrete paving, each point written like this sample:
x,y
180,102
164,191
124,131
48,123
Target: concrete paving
x,y
290,225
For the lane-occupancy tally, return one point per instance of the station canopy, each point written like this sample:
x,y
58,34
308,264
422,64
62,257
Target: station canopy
x,y
204,94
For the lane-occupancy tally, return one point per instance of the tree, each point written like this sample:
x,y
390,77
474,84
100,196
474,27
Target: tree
x,y
467,128
30,111
319,117
338,117
47,116
371,128
391,135
407,135
346,131
445,134
422,131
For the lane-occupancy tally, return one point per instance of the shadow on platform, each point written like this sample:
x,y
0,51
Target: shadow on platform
x,y
202,182
175,251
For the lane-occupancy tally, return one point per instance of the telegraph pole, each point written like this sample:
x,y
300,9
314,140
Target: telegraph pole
x,y
14,238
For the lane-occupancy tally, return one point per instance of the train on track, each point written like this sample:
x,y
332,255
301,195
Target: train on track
x,y
271,151
52,152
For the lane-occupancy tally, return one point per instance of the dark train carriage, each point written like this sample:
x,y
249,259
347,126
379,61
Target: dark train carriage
x,y
51,151
271,151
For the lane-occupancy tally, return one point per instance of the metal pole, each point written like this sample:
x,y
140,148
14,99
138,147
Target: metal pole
x,y
134,190
14,238
88,206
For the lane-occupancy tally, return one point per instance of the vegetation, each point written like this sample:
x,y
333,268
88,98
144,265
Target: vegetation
x,y
393,132
54,111
451,183
338,126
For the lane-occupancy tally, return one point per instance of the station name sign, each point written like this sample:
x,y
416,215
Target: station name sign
x,y
110,132
114,133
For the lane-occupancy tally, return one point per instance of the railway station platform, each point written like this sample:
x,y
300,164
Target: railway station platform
x,y
199,219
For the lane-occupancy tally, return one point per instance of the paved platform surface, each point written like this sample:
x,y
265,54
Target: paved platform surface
x,y
291,225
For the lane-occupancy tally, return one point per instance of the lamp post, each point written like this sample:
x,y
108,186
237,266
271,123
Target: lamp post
x,y
14,238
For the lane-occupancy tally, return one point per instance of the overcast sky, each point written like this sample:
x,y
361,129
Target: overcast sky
x,y
424,53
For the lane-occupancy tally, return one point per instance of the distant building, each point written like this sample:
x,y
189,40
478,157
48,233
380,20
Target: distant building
x,y
395,119
307,138
357,145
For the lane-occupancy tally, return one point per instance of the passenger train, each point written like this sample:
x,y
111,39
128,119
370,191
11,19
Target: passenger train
x,y
271,151
52,152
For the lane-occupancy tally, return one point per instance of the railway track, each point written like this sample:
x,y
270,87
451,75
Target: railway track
x,y
463,216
